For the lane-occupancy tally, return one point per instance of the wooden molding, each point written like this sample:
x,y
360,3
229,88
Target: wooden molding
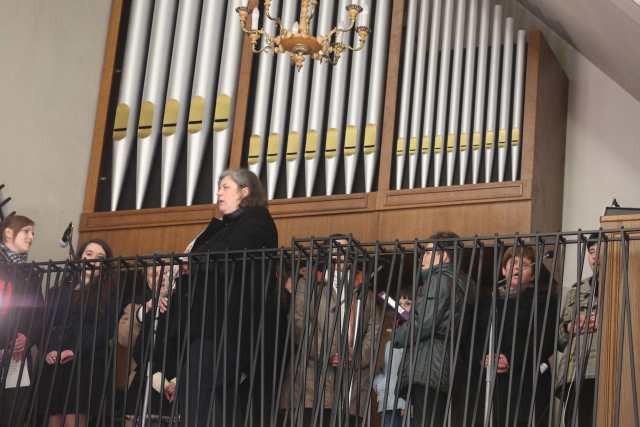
x,y
102,111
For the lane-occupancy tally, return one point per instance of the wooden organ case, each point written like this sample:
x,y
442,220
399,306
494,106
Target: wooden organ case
x,y
426,129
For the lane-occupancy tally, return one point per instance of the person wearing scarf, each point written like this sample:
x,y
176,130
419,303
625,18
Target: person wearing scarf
x,y
18,331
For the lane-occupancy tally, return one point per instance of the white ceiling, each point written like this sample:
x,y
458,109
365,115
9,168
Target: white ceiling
x,y
607,32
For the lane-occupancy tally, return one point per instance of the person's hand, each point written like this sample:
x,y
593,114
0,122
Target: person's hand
x,y
170,391
66,356
288,284
503,363
19,347
51,357
163,302
584,324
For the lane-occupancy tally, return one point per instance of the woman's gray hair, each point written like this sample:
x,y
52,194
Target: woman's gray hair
x,y
246,179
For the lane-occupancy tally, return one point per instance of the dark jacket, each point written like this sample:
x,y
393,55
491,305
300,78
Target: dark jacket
x,y
521,350
430,327
230,294
79,320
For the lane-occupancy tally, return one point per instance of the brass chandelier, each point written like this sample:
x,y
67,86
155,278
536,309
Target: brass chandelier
x,y
298,41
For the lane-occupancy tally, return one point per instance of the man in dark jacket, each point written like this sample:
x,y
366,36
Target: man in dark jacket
x,y
427,336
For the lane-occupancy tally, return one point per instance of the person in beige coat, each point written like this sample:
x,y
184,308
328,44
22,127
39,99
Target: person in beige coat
x,y
335,323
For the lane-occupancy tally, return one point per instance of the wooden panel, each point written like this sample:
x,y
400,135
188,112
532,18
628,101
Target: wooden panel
x,y
467,220
611,331
390,99
549,126
240,115
102,111
436,196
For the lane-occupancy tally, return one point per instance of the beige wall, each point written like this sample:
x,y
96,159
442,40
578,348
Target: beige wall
x,y
51,54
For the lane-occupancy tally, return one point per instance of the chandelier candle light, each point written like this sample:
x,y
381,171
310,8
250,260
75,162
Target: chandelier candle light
x,y
298,41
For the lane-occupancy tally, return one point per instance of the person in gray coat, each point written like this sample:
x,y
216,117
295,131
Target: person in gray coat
x,y
438,304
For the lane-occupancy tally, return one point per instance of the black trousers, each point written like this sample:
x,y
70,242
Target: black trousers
x,y
583,404
520,402
14,405
429,406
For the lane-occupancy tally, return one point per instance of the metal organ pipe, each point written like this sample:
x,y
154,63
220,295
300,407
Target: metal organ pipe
x,y
418,76
264,87
317,104
355,107
153,94
405,94
128,108
432,78
335,128
481,86
467,96
375,100
443,89
454,105
203,92
275,143
518,104
178,92
505,97
492,108
227,88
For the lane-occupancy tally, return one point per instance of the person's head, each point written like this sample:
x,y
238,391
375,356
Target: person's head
x,y
239,188
520,264
95,250
442,253
592,250
18,233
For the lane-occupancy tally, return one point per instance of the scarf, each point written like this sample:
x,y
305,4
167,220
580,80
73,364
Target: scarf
x,y
9,256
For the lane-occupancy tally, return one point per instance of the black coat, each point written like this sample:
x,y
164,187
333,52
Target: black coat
x,y
521,352
226,295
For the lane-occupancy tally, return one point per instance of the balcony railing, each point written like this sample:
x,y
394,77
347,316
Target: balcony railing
x,y
325,332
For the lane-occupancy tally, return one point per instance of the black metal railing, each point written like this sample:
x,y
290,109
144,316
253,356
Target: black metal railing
x,y
325,332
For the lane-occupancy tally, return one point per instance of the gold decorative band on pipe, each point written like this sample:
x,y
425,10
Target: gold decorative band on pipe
x,y
413,145
400,147
311,145
477,140
145,122
196,114
464,140
170,117
489,139
273,147
451,142
331,145
515,137
223,113
370,133
293,145
120,122
437,145
254,150
350,137
502,138
425,144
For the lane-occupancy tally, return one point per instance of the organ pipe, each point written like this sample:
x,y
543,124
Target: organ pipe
x,y
128,108
505,97
154,92
203,92
492,107
467,97
481,87
178,92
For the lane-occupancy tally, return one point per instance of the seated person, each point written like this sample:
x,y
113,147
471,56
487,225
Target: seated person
x,y
150,327
392,409
424,375
334,331
521,343
577,336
